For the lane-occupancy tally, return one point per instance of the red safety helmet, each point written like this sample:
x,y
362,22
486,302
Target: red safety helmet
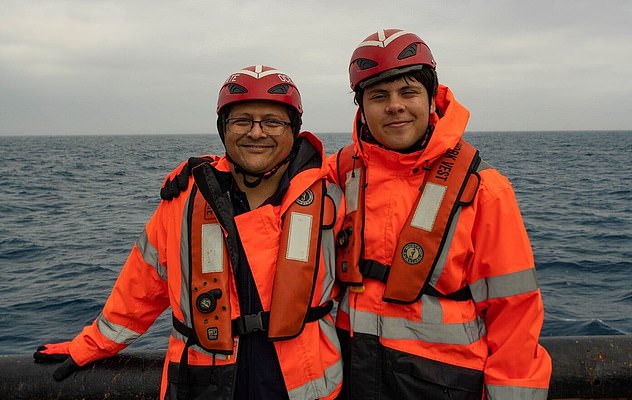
x,y
387,53
259,82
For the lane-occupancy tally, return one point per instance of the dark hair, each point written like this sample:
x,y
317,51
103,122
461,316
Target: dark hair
x,y
426,76
295,120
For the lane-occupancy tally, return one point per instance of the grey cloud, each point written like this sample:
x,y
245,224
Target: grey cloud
x,y
155,66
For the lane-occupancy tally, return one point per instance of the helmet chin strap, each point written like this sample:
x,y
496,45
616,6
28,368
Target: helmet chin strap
x,y
258,177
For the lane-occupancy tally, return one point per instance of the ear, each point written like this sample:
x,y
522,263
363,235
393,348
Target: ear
x,y
433,108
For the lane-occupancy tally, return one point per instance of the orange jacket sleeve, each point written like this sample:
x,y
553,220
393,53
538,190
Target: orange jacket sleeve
x,y
138,297
505,288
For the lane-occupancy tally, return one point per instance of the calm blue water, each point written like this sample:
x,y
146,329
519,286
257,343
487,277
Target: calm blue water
x,y
71,208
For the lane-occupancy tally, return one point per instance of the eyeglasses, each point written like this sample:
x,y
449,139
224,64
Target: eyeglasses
x,y
241,126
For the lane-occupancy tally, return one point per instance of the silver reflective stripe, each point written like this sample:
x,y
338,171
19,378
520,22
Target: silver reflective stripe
x,y
150,255
443,256
114,332
299,237
329,329
367,325
402,328
184,265
496,392
504,285
352,190
335,193
483,166
428,206
177,335
431,311
328,246
212,248
319,387
344,303
329,255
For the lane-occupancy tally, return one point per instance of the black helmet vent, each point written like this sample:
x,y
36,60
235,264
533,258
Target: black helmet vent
x,y
234,88
408,52
365,63
281,88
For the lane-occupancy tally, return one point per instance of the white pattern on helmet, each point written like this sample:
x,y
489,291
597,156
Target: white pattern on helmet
x,y
383,41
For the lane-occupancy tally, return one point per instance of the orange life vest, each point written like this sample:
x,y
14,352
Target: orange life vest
x,y
293,287
451,182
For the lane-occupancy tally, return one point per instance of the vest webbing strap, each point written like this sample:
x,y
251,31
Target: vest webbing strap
x,y
183,369
378,271
243,325
374,270
247,324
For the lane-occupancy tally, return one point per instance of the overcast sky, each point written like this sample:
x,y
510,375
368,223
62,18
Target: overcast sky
x,y
138,67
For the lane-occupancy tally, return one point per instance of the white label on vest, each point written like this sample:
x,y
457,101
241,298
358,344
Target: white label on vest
x,y
352,188
299,237
212,248
428,207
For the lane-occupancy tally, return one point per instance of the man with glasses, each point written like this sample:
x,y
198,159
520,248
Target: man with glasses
x,y
442,299
241,248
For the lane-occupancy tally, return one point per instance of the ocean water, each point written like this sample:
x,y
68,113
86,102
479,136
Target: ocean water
x,y
71,207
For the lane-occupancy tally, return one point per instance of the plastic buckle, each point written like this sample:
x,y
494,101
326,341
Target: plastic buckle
x,y
252,323
374,270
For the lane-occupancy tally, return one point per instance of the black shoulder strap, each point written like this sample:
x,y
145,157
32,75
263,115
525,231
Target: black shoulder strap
x,y
346,159
172,188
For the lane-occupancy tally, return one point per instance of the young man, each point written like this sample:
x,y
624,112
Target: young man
x,y
241,248
442,300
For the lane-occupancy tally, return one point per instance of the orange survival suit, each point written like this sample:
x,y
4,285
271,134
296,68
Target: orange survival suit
x,y
184,259
481,342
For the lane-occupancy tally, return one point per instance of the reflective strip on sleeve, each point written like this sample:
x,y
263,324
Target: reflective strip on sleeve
x,y
212,248
352,190
428,206
496,392
504,285
116,333
299,237
150,255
